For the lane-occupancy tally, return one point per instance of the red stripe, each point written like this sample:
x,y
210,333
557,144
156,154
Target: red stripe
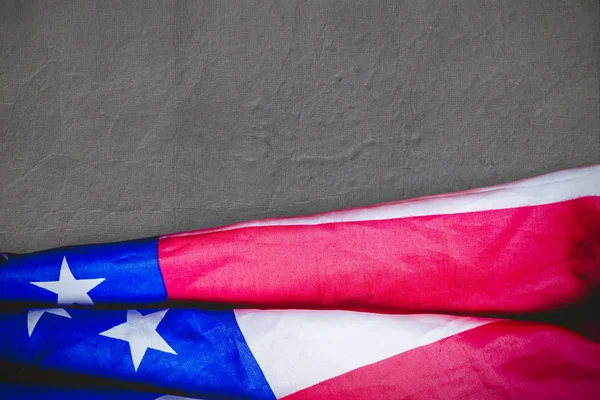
x,y
510,260
502,360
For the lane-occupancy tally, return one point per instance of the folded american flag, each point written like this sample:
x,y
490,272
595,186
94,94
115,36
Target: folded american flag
x,y
452,296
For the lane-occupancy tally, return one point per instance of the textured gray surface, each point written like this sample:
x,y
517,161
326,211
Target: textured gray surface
x,y
129,119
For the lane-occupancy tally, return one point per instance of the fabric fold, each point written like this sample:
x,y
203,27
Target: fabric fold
x,y
305,354
529,246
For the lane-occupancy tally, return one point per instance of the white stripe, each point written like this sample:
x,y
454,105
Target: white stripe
x,y
299,348
545,189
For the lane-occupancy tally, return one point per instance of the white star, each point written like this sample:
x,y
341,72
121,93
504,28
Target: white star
x,y
140,332
33,316
69,289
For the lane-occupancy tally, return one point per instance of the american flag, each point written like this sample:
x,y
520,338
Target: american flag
x,y
486,293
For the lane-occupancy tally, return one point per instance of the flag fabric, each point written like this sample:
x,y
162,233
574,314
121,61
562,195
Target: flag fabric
x,y
437,297
305,354
46,392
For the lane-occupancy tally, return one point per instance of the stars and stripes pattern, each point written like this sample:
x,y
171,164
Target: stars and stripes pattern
x,y
427,298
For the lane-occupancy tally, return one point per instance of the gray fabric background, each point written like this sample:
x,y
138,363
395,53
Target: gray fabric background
x,y
129,119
